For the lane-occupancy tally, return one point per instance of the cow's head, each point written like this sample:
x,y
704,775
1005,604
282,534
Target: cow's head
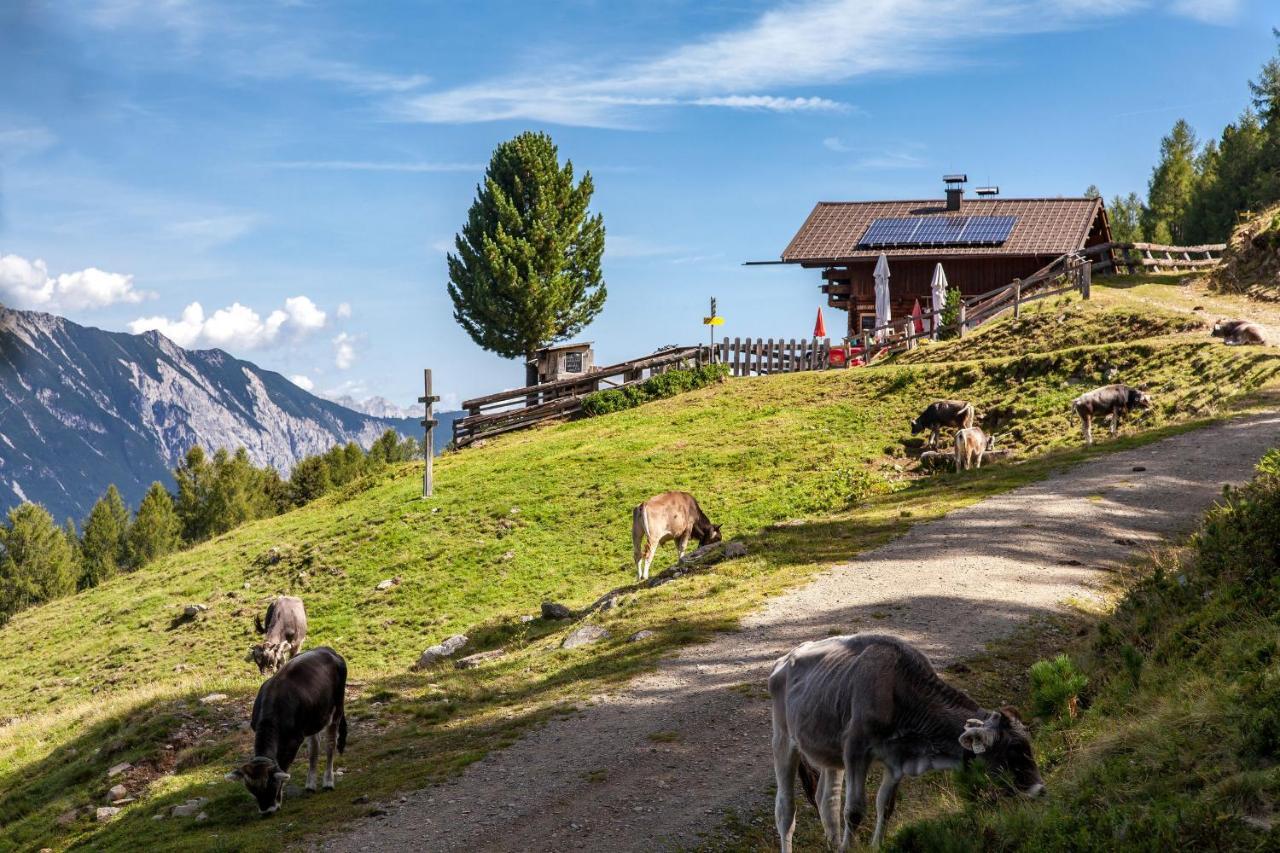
x,y
917,425
1003,741
1219,329
1139,399
268,656
708,534
265,780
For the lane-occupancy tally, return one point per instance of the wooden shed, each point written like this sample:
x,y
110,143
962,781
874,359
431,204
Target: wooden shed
x,y
982,243
567,361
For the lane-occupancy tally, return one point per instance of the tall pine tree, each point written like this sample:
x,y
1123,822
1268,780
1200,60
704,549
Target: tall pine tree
x,y
156,530
36,562
1172,185
104,546
527,268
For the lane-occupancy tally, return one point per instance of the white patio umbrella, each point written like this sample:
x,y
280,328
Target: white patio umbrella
x,y
883,316
939,288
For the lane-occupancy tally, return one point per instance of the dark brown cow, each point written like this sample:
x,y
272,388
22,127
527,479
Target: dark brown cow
x,y
1114,400
299,702
957,414
285,631
1238,332
843,702
662,518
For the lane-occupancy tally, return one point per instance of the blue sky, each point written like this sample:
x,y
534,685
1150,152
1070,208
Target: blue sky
x,y
283,179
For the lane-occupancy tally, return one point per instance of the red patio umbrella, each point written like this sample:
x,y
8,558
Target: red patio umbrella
x,y
917,318
819,328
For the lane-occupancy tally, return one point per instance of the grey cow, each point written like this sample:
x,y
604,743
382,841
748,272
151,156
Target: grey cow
x,y
1239,332
957,414
1114,400
843,702
284,633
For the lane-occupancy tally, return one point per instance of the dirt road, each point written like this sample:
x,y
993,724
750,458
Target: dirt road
x,y
665,758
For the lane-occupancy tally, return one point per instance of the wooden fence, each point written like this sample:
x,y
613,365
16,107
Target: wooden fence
x,y
760,357
1130,258
518,408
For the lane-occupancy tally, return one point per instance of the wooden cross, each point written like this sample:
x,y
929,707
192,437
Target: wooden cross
x,y
429,424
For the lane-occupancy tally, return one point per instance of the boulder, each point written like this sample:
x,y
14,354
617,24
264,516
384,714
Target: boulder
x,y
191,611
441,651
212,698
188,809
105,813
584,635
641,635
387,584
734,550
473,661
555,610
116,769
117,792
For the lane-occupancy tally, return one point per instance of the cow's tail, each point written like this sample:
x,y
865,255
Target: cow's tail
x,y
257,623
342,732
808,781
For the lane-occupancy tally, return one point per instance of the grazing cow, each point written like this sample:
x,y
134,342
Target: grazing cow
x,y
1114,400
971,444
299,702
284,632
956,414
670,515
1238,332
842,702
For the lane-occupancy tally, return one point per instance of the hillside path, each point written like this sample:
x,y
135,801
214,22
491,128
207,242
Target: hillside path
x,y
950,586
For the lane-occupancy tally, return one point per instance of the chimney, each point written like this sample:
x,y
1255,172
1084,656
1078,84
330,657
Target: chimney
x,y
955,190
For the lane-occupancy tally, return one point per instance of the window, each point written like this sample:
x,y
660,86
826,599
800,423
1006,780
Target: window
x,y
573,362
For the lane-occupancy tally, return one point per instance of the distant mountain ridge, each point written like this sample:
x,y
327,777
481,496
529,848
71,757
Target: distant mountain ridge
x,y
83,408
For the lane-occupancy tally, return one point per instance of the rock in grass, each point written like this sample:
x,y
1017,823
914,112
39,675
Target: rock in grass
x,y
117,792
388,583
191,611
116,769
555,610
441,650
638,636
584,635
212,698
473,661
188,809
734,550
105,813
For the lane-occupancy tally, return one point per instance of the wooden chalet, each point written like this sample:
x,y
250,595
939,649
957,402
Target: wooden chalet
x,y
982,243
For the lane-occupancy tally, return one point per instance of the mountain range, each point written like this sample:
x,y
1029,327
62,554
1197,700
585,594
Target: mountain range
x,y
82,408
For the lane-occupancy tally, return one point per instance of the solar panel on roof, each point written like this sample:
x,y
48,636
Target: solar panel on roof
x,y
937,231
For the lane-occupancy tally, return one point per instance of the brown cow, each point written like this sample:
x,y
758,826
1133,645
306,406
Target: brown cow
x,y
971,444
285,631
662,518
1114,400
957,414
1239,332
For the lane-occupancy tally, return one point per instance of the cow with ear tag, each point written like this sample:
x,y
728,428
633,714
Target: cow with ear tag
x,y
300,702
1003,740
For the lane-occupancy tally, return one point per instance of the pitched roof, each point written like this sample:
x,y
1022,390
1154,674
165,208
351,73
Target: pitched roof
x,y
1044,226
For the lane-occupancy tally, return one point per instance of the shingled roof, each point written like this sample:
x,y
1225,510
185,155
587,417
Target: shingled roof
x,y
1044,226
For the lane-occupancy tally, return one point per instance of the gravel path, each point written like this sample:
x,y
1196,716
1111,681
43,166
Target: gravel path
x,y
950,586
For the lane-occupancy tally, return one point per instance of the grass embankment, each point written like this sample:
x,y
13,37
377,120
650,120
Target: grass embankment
x,y
112,675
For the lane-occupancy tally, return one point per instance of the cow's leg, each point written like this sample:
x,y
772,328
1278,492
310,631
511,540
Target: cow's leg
x,y
885,798
650,554
1115,423
977,459
1086,423
330,743
856,763
933,440
313,757
786,760
682,543
829,803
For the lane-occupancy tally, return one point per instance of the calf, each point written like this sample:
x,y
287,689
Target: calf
x,y
843,702
284,633
1113,400
956,414
670,515
297,703
1238,332
971,444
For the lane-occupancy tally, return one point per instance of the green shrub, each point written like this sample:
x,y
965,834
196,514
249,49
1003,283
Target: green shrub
x,y
1055,686
656,387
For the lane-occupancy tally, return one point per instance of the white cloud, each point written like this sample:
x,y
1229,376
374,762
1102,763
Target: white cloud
x,y
344,351
1207,11
27,284
813,43
344,310
302,382
237,327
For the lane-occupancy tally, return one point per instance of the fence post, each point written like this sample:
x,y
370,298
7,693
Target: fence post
x,y
1017,298
737,356
1086,280
961,318
428,439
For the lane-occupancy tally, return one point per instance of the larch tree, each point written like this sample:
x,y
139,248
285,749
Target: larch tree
x,y
527,268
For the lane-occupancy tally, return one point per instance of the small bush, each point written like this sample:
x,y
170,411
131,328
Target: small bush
x,y
1055,687
656,387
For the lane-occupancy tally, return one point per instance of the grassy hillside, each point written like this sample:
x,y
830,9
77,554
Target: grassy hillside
x,y
114,675
1179,744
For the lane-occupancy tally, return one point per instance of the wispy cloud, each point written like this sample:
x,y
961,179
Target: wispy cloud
x,y
207,232
17,142
891,160
797,44
376,166
1221,12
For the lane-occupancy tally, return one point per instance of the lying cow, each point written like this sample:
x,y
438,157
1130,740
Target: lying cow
x,y
842,702
662,518
284,633
1238,332
971,444
956,414
1114,400
299,702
